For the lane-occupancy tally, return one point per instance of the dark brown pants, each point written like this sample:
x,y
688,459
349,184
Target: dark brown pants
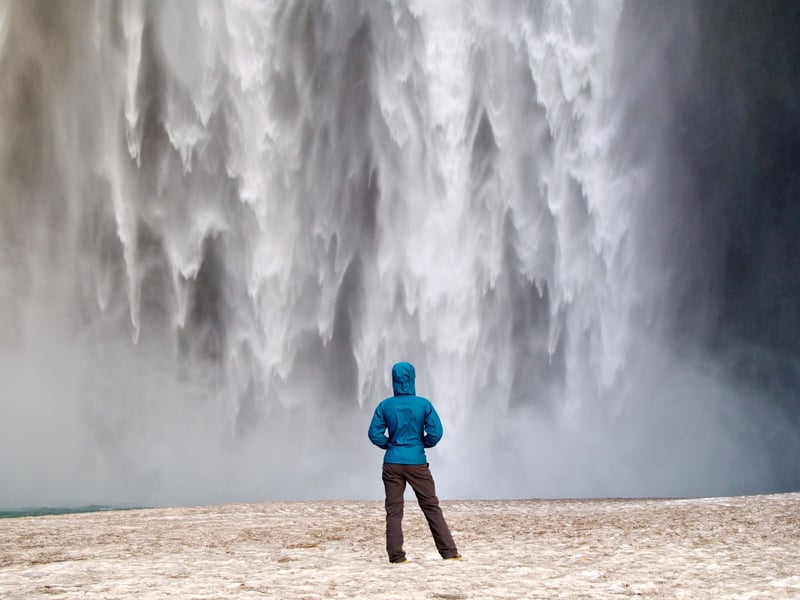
x,y
419,476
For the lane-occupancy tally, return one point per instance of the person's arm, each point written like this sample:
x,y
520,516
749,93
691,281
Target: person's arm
x,y
433,427
377,429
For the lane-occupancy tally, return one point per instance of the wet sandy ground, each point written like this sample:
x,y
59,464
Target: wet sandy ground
x,y
746,547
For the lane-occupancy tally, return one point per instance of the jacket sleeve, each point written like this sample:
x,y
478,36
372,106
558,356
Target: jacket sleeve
x,y
377,429
433,428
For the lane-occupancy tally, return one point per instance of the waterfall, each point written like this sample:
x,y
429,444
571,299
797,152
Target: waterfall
x,y
223,221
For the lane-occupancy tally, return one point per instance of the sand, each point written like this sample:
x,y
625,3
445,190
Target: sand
x,y
743,547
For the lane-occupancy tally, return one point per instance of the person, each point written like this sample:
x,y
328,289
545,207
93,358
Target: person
x,y
412,425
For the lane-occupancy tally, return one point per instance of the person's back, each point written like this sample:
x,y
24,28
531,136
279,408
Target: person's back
x,y
411,421
412,425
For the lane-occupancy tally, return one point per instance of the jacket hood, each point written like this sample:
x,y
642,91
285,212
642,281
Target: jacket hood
x,y
403,377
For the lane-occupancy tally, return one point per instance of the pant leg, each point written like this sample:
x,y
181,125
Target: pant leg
x,y
421,480
394,483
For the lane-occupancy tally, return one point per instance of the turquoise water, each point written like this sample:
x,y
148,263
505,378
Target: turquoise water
x,y
50,510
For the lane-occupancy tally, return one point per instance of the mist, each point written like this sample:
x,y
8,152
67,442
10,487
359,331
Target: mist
x,y
222,223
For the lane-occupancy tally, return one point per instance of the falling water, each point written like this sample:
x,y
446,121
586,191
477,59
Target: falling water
x,y
223,221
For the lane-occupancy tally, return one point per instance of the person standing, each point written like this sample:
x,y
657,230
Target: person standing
x,y
405,425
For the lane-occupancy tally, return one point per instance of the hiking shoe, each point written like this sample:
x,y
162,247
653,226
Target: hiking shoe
x,y
399,562
456,557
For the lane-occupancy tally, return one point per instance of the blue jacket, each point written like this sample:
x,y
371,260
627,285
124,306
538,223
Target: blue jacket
x,y
411,421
